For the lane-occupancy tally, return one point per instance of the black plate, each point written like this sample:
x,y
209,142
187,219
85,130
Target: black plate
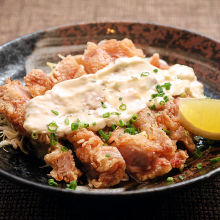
x,y
174,45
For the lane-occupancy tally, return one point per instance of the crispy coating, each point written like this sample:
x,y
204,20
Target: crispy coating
x,y
169,119
98,56
13,99
143,156
104,164
63,165
155,61
38,82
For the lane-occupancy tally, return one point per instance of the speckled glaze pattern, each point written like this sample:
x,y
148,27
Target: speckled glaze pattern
x,y
174,45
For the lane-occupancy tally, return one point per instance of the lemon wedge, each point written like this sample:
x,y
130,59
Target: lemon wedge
x,y
201,116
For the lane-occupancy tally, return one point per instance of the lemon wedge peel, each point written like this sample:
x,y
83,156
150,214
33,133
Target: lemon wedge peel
x,y
201,116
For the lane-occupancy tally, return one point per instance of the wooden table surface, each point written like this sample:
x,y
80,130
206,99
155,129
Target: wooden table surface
x,y
19,17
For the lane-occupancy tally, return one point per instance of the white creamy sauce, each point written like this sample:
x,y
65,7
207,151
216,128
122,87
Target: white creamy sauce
x,y
82,98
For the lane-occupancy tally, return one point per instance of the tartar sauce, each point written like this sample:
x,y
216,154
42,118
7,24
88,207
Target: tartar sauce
x,y
114,93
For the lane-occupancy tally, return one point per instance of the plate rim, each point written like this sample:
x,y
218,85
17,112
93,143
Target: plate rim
x,y
145,191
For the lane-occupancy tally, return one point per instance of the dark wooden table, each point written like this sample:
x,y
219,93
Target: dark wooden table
x,y
19,17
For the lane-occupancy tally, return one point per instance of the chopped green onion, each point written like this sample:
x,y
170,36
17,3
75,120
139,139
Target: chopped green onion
x,y
103,135
155,70
134,118
199,166
148,114
53,139
85,125
63,148
121,123
153,107
108,155
106,115
55,112
94,123
154,96
162,103
159,89
181,178
72,185
131,130
115,113
113,126
74,126
143,74
103,105
67,122
123,107
34,135
215,160
52,127
166,86
51,182
165,98
170,179
166,131
120,98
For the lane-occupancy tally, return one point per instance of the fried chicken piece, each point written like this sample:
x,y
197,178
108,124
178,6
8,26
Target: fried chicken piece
x,y
98,56
146,121
155,61
179,159
63,164
104,164
143,156
169,119
38,82
13,99
67,69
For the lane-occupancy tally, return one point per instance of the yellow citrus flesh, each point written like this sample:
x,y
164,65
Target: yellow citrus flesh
x,y
201,117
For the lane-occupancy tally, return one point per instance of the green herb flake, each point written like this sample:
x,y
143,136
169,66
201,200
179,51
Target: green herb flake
x,y
53,139
170,179
63,148
159,89
166,86
165,98
155,70
106,115
166,131
123,107
51,182
134,118
183,94
66,121
85,125
94,123
162,103
215,160
199,166
72,185
52,127
103,135
148,114
153,107
103,105
115,113
34,135
120,98
55,112
74,126
154,96
113,126
108,155
131,130
121,123
144,74
181,178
